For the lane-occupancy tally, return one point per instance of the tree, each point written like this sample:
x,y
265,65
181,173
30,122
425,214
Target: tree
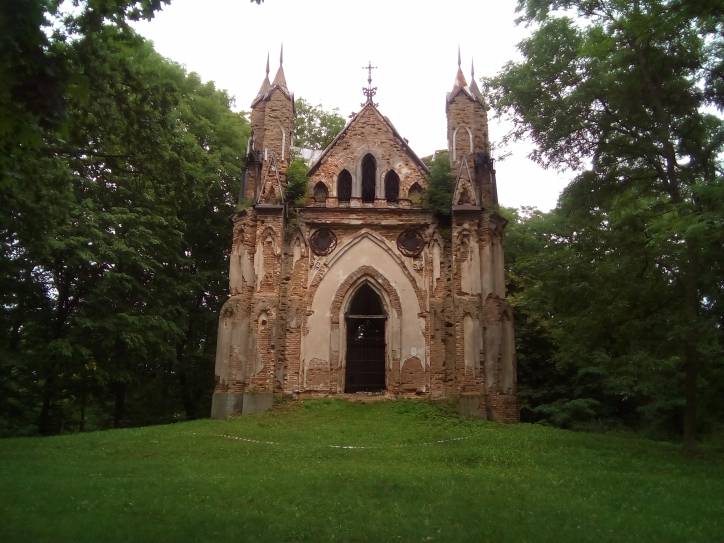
x,y
296,182
34,72
315,128
622,88
115,241
438,196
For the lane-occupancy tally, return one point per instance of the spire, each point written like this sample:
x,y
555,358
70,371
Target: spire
x,y
474,90
265,85
279,79
369,91
459,77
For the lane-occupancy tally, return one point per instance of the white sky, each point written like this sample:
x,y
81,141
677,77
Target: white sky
x,y
326,43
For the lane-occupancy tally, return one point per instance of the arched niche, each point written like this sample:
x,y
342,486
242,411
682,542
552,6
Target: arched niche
x,y
462,142
415,194
320,193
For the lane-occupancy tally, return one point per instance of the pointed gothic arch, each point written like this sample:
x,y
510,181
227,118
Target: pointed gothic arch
x,y
344,186
415,193
392,186
369,178
459,142
320,193
365,323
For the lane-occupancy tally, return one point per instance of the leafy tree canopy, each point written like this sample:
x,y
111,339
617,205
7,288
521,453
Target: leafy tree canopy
x,y
296,182
621,89
314,127
438,196
113,235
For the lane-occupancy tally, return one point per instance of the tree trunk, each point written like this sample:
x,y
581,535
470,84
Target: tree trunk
x,y
187,398
691,356
119,407
45,425
83,402
691,369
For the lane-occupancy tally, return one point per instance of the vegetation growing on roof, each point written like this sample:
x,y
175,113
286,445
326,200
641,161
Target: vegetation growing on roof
x,y
438,196
296,182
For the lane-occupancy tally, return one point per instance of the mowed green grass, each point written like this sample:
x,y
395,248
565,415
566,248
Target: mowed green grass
x,y
416,473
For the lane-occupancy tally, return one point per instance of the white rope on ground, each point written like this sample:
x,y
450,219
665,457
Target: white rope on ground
x,y
397,446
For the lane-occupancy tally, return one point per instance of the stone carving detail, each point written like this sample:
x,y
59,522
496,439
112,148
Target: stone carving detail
x,y
323,241
410,242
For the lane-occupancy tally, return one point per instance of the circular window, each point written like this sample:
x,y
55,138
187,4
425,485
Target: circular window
x,y
323,241
410,242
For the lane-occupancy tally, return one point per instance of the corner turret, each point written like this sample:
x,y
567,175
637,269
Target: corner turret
x,y
272,124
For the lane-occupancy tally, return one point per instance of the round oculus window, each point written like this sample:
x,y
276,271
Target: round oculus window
x,y
410,242
323,241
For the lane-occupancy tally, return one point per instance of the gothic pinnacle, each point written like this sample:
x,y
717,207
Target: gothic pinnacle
x,y
459,77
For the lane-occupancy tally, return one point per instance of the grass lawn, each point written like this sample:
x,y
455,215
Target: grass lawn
x,y
328,470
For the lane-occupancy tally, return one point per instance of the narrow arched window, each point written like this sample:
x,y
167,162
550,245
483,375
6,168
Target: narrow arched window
x,y
392,186
369,175
344,186
415,194
320,193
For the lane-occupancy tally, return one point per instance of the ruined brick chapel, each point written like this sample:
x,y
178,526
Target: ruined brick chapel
x,y
363,290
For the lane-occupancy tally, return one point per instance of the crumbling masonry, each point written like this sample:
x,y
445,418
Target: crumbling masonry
x,y
363,289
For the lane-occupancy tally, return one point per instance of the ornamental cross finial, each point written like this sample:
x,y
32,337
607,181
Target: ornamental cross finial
x,y
369,91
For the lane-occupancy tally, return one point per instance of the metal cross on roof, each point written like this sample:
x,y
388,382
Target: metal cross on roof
x,y
369,91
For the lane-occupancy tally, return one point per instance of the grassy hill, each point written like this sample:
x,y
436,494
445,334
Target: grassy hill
x,y
337,471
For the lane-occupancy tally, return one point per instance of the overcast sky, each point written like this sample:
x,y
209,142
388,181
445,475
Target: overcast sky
x,y
414,44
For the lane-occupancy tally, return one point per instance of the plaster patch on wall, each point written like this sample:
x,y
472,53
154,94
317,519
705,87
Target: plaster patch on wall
x,y
469,265
472,344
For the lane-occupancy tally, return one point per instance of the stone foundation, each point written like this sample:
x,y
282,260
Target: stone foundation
x,y
227,404
502,408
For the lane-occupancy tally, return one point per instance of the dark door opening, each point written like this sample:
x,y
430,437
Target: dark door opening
x,y
365,343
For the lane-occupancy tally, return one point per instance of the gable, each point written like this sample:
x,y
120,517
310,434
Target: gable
x,y
369,133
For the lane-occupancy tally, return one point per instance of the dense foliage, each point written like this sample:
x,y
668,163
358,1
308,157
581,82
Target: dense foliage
x,y
315,127
626,276
296,182
117,184
438,195
593,325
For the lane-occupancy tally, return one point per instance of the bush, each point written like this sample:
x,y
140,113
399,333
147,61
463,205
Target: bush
x,y
296,182
439,193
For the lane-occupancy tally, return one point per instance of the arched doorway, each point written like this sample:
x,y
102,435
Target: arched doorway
x,y
365,319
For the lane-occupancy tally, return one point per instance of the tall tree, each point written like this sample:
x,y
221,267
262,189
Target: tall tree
x,y
438,196
621,89
114,240
314,127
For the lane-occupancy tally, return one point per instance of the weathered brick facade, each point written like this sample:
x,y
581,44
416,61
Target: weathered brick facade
x,y
287,326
